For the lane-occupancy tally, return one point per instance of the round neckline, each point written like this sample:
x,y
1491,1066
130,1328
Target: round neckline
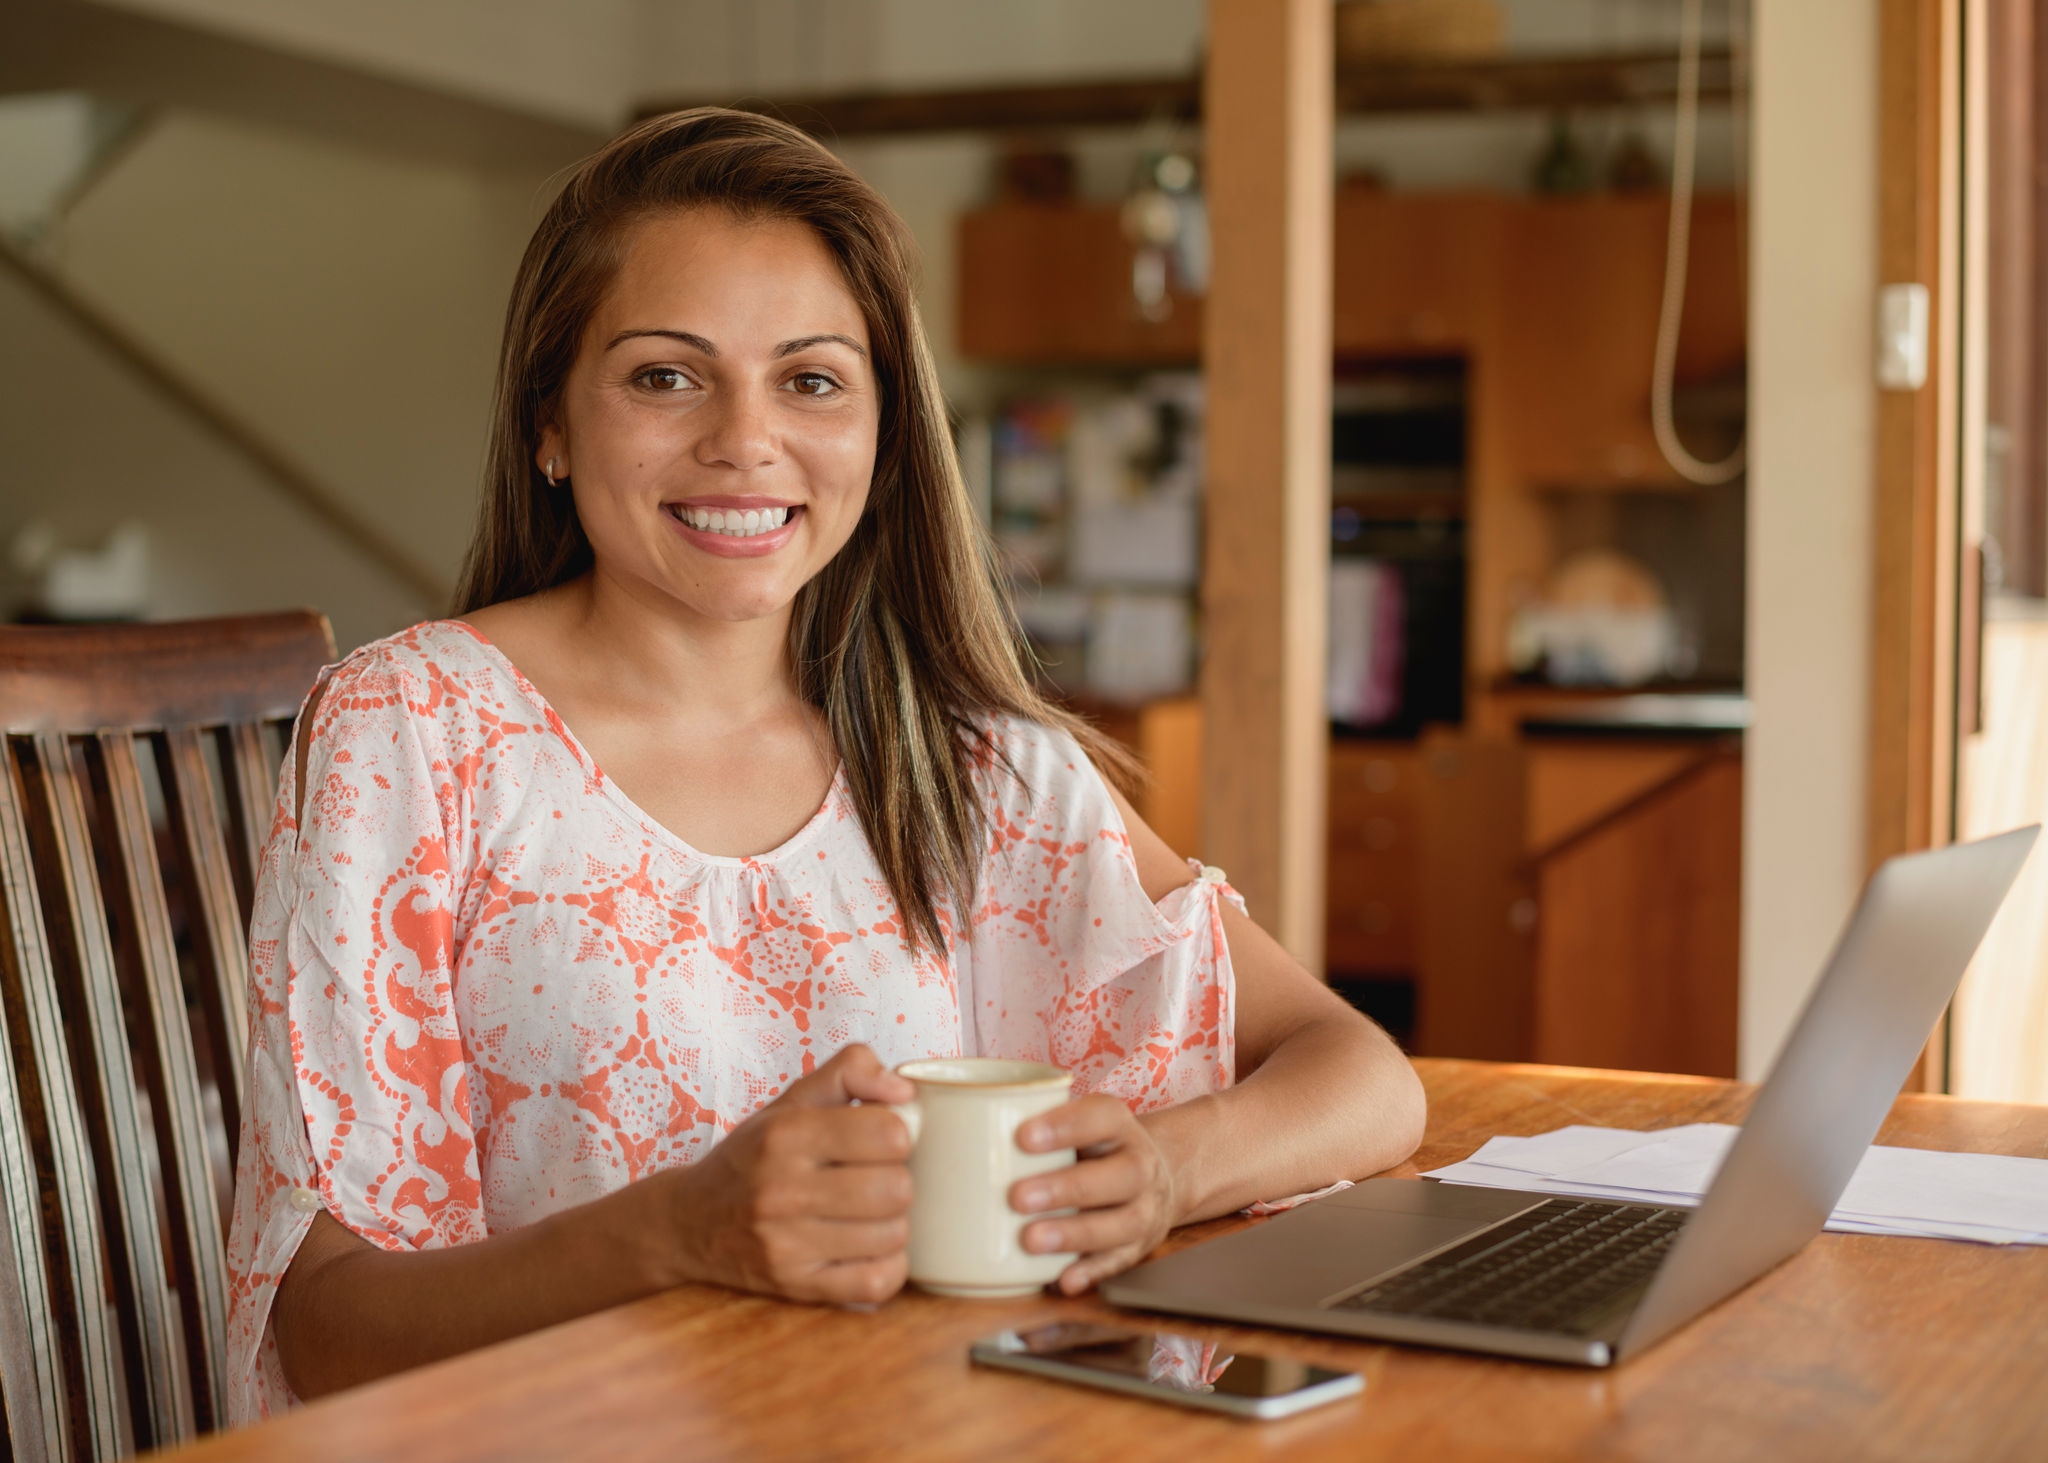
x,y
559,725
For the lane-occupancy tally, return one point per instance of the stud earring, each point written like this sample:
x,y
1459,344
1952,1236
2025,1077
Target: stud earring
x,y
548,472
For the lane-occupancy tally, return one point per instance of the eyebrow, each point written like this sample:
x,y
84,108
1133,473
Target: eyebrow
x,y
791,347
699,343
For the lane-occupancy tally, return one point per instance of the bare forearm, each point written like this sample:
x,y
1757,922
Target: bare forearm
x,y
364,1313
1335,1099
809,1198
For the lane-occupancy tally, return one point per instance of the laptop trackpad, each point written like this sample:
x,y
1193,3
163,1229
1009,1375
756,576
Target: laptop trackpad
x,y
1313,1252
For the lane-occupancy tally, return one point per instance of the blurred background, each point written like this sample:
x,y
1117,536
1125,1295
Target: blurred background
x,y
254,256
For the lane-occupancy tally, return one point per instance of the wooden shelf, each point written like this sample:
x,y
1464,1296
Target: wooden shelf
x,y
1520,83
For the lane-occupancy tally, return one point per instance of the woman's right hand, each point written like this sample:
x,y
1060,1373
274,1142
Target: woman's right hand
x,y
810,1197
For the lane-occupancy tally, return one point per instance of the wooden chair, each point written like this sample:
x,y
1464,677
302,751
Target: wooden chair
x,y
122,1054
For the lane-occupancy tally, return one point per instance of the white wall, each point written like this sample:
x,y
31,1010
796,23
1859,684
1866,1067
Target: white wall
x,y
346,303
1812,408
572,59
85,446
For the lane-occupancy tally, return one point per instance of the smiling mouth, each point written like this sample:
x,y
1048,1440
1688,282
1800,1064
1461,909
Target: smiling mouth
x,y
734,522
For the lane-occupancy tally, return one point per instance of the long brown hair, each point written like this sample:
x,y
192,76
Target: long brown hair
x,y
904,641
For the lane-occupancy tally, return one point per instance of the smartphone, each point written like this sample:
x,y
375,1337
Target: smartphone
x,y
1166,1367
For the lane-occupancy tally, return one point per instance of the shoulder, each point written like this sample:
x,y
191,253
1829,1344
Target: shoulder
x,y
1040,775
1018,750
439,671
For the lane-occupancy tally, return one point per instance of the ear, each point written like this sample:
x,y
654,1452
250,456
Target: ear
x,y
552,447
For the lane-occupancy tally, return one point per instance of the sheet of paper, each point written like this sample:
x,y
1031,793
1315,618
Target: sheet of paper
x,y
1981,1197
1917,1183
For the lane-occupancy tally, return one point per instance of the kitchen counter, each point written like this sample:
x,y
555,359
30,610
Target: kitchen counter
x,y
1646,716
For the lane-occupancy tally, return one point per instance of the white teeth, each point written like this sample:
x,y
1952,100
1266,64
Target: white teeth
x,y
734,522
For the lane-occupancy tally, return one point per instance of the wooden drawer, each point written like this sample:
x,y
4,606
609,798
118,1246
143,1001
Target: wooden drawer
x,y
1371,922
1374,854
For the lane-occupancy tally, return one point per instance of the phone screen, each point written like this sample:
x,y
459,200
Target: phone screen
x,y
1163,1362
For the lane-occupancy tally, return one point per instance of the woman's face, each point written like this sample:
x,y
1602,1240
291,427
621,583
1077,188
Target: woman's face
x,y
718,426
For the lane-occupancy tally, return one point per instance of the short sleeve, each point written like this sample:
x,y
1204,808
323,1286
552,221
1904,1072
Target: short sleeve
x,y
358,1094
1068,961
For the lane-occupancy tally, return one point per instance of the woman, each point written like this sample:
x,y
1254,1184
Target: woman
x,y
589,920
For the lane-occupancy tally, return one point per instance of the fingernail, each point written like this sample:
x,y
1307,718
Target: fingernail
x,y
1042,1241
1032,1134
1032,1199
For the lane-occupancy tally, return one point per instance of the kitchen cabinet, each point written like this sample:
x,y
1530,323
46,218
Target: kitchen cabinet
x,y
1045,284
1638,914
1581,286
1476,910
1050,284
1374,830
1414,274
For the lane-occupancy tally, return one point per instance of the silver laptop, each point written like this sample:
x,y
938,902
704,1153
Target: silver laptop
x,y
1592,1282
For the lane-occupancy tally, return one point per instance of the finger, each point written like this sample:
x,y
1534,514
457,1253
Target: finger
x,y
878,1083
1089,1232
840,1192
1082,1123
797,1247
1094,1183
838,1135
851,1073
859,1282
1091,1270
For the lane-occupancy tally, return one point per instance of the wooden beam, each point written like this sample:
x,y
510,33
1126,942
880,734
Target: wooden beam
x,y
1912,688
1910,746
115,52
1545,83
1266,367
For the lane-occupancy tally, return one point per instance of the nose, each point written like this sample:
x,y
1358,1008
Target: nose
x,y
739,431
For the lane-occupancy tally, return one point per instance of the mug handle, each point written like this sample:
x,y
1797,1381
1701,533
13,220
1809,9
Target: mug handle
x,y
912,1115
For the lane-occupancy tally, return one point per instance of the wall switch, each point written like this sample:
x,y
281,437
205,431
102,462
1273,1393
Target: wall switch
x,y
1902,337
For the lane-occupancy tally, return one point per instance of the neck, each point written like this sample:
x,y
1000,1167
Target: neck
x,y
723,672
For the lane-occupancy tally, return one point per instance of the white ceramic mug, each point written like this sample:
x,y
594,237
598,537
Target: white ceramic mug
x,y
965,1239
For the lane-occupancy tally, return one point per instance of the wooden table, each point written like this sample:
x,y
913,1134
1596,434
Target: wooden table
x,y
1859,1348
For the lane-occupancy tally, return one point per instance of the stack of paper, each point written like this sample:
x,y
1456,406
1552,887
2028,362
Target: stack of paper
x,y
1985,1197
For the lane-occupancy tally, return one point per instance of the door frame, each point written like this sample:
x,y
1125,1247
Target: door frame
x,y
1919,469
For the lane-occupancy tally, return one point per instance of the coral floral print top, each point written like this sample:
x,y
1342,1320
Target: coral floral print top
x,y
487,987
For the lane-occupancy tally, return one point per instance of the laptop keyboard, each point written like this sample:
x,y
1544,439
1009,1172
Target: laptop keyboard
x,y
1560,1267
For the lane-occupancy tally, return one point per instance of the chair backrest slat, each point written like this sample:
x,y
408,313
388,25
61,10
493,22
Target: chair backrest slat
x,y
218,941
251,787
78,1385
34,1436
124,987
86,974
148,962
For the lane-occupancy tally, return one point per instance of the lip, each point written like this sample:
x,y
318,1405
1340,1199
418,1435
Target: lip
x,y
724,545
732,500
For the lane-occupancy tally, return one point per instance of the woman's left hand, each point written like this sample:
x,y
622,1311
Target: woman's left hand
x,y
1122,1186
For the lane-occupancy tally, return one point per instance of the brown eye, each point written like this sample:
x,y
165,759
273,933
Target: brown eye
x,y
814,383
662,378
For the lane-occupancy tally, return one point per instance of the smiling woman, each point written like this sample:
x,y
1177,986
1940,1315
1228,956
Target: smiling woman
x,y
590,920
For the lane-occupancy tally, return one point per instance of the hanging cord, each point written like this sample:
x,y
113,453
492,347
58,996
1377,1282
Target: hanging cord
x,y
1678,241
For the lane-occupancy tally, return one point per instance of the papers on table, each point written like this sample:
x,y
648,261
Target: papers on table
x,y
1985,1197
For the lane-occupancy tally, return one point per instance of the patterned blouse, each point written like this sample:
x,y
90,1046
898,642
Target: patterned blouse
x,y
486,987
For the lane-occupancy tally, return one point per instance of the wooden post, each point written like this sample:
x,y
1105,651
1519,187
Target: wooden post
x,y
1913,614
1916,519
1267,108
